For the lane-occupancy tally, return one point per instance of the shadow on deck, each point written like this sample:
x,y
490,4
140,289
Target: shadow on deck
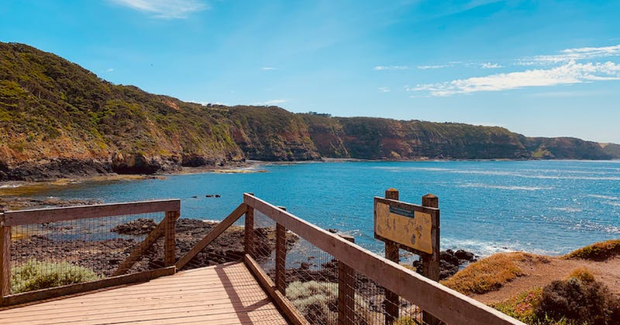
x,y
222,294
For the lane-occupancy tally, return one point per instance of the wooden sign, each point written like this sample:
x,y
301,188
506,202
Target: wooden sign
x,y
412,227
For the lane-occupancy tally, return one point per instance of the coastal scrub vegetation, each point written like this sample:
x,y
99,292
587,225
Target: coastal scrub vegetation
x,y
490,273
597,252
36,275
576,300
318,302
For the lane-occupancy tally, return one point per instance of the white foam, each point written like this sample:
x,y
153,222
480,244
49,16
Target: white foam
x,y
510,188
604,197
485,249
10,186
568,209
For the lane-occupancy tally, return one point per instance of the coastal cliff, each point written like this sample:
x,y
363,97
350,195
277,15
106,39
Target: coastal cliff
x,y
59,119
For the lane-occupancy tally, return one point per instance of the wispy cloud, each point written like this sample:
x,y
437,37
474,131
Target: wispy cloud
x,y
489,65
273,102
390,67
110,70
574,54
165,9
384,90
439,66
569,73
268,68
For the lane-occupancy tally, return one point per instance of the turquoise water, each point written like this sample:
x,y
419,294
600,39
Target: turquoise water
x,y
547,207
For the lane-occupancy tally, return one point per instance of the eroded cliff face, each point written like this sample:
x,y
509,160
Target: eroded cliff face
x,y
58,119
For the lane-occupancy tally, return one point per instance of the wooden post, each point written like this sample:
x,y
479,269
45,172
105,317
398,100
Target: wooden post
x,y
169,237
249,230
392,301
346,291
5,259
430,262
281,257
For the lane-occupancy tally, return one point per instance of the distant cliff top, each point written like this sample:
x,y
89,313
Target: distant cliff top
x,y
57,118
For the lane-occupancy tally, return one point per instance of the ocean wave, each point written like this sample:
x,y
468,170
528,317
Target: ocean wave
x,y
521,175
590,226
604,197
510,188
485,248
567,209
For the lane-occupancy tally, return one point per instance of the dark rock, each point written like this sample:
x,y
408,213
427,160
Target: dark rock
x,y
217,195
465,255
137,227
450,262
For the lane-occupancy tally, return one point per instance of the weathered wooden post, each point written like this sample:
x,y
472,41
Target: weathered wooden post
x,y
169,237
249,230
430,262
5,258
392,301
346,291
281,257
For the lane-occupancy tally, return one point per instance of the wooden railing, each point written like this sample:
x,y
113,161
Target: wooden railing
x,y
165,228
447,305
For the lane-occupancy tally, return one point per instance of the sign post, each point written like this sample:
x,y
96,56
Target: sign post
x,y
411,227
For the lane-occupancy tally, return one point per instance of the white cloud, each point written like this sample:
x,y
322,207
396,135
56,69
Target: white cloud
x,y
390,67
110,70
439,66
574,54
384,89
489,65
273,102
165,9
568,73
268,68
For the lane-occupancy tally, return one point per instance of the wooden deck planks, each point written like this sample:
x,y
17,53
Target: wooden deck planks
x,y
225,295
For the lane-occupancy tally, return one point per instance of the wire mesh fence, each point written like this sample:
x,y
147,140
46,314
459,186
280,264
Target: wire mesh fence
x,y
51,254
321,288
227,247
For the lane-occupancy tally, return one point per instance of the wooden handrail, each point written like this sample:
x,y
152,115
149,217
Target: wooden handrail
x,y
26,217
446,304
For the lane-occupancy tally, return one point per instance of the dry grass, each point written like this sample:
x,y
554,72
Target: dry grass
x,y
490,274
597,252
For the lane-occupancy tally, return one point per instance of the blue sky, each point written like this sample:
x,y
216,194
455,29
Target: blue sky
x,y
540,68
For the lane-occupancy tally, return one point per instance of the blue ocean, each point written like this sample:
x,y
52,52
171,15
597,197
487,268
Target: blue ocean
x,y
548,207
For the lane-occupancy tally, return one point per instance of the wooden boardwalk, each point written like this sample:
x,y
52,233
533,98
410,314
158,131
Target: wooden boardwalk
x,y
224,294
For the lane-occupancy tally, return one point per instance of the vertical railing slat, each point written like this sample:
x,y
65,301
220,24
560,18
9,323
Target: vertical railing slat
x,y
392,301
5,260
346,291
170,237
249,231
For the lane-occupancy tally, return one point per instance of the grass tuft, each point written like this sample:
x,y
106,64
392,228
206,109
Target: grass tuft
x,y
35,275
597,252
489,274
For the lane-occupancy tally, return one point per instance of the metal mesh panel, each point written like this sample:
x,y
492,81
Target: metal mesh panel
x,y
65,252
321,288
227,247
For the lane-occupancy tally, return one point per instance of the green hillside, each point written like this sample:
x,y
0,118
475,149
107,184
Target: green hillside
x,y
58,119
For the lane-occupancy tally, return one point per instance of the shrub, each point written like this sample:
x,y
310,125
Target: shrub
x,y
35,275
522,307
489,274
597,252
318,302
579,300
583,274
